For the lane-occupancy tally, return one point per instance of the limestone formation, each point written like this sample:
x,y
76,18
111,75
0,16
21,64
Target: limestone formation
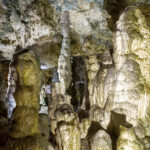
x,y
27,96
84,128
19,29
25,125
101,141
44,125
123,88
129,140
132,67
68,136
64,119
84,145
74,75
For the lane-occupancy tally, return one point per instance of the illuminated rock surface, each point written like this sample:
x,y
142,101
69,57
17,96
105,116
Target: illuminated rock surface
x,y
101,141
132,64
74,75
129,140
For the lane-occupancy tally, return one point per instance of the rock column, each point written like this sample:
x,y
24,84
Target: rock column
x,y
25,125
64,121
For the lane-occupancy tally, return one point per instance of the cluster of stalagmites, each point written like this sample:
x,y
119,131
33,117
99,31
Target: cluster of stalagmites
x,y
99,101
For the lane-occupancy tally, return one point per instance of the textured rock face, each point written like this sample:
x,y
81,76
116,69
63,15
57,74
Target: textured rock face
x,y
132,66
89,21
129,140
21,25
62,114
28,129
68,136
84,128
26,96
44,125
25,125
89,30
124,87
101,141
64,61
78,73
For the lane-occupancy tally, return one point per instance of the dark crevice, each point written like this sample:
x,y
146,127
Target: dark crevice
x,y
95,126
114,126
80,83
82,114
114,8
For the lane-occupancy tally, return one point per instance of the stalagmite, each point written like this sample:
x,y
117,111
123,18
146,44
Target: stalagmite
x,y
128,140
132,61
62,114
101,141
26,95
25,125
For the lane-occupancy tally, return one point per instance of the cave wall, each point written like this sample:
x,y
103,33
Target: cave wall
x,y
74,75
